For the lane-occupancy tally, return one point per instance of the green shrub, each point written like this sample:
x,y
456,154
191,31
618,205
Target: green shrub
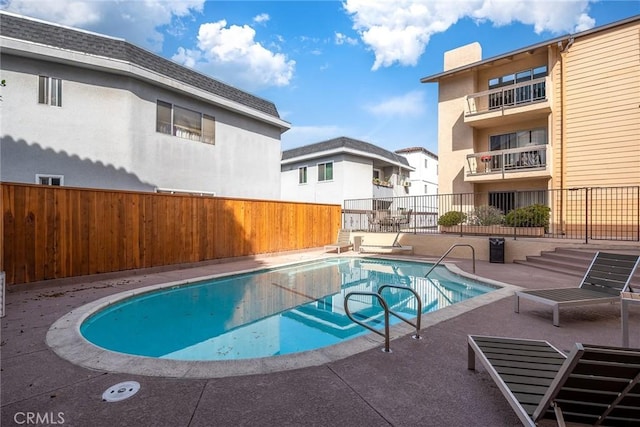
x,y
452,218
529,216
486,215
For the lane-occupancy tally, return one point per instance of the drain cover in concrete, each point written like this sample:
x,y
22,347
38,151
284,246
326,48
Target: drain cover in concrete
x,y
121,391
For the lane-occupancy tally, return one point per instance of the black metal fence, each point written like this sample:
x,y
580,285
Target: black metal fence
x,y
586,213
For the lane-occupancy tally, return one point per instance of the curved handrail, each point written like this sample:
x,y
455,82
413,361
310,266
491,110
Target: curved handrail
x,y
386,316
473,256
419,315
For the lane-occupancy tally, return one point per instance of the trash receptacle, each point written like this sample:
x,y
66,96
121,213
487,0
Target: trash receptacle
x,y
357,241
496,249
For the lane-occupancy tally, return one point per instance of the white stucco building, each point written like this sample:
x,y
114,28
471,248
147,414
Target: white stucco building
x,y
343,168
424,178
86,110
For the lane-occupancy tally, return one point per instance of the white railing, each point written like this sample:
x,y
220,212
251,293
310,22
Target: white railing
x,y
507,97
512,160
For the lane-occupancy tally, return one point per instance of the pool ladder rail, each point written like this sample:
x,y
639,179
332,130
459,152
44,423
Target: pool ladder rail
x,y
386,308
473,257
387,311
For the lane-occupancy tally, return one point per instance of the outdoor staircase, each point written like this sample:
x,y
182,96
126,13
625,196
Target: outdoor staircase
x,y
573,262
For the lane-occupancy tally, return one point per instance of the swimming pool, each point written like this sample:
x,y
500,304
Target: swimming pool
x,y
271,312
66,340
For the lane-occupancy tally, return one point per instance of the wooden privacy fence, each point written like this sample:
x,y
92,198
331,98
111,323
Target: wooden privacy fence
x,y
56,232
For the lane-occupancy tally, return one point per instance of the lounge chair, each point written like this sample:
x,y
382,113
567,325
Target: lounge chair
x,y
381,243
607,276
593,385
342,242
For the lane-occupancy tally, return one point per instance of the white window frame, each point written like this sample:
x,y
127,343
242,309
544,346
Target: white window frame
x,y
49,91
49,177
306,175
207,123
324,175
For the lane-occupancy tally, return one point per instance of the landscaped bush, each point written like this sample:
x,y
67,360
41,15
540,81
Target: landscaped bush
x,y
530,216
486,215
452,218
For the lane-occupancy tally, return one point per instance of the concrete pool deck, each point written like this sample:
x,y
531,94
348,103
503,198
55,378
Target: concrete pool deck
x,y
421,383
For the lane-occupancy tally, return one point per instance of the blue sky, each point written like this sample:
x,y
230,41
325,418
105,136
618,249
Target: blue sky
x,y
333,68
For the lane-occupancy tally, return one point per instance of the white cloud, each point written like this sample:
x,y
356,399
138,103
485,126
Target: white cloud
x,y
398,31
262,18
135,21
232,54
585,22
342,39
411,104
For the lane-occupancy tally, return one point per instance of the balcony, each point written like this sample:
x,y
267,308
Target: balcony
x,y
509,104
515,163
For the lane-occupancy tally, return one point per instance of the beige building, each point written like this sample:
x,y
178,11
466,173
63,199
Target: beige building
x,y
556,115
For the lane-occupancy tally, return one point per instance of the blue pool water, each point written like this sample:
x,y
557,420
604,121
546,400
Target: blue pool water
x,y
271,312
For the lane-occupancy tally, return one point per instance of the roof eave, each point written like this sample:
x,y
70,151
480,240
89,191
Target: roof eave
x,y
345,150
436,77
29,49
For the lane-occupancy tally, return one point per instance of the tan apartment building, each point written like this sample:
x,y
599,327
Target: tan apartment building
x,y
560,114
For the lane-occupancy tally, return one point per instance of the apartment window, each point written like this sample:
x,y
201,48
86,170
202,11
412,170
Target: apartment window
x,y
208,129
519,139
43,179
377,174
521,94
49,91
522,138
184,123
507,201
426,163
325,171
302,175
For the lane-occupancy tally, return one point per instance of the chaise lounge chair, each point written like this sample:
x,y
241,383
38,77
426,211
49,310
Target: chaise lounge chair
x,y
342,242
593,385
607,276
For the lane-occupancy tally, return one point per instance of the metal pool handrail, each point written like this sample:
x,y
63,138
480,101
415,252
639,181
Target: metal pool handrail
x,y
418,317
473,256
387,310
386,316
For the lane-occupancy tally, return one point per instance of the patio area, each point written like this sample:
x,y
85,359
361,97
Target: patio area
x,y
420,383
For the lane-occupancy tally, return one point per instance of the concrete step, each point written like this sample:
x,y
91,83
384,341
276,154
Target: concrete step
x,y
572,262
556,269
554,262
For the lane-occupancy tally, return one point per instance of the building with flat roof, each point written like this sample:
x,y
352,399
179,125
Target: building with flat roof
x,y
423,180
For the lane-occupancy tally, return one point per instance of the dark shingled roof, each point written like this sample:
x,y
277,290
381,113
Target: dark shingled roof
x,y
344,142
22,28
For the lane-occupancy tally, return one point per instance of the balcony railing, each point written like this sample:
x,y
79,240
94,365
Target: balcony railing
x,y
521,159
507,97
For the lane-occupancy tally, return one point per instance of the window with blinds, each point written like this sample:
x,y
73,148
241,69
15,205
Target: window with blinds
x,y
184,123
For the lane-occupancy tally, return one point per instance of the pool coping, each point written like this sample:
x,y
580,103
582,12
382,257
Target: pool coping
x,y
65,339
